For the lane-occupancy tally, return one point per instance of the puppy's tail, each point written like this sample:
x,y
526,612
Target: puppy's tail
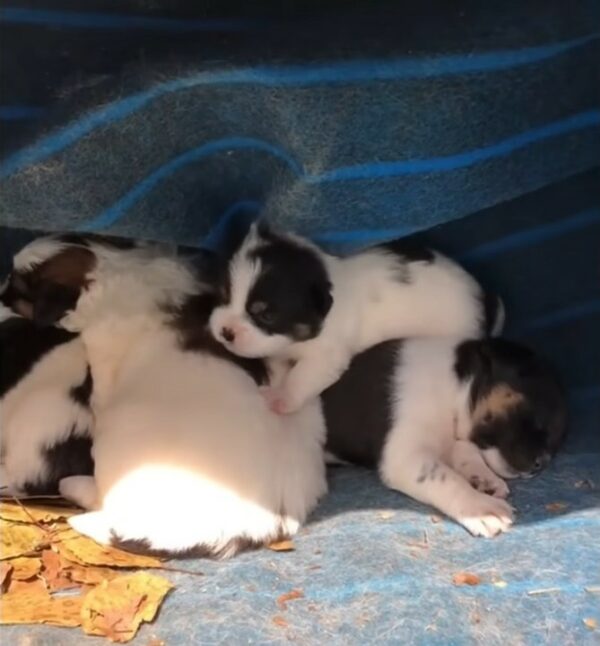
x,y
494,314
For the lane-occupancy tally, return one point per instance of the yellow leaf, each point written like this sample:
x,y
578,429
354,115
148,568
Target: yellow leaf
x,y
25,567
35,606
17,540
116,609
90,574
590,623
282,546
84,551
34,513
5,572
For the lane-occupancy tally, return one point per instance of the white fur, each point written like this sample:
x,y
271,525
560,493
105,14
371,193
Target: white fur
x,y
186,451
371,304
431,432
38,412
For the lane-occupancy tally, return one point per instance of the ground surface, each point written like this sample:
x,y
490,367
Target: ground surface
x,y
374,568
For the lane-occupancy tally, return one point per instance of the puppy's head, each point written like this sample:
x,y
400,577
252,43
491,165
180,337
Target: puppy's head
x,y
50,274
518,406
275,291
47,278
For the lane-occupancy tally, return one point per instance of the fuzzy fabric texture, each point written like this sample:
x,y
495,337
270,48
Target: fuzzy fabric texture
x,y
475,124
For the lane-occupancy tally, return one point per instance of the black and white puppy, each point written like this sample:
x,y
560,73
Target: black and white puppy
x,y
285,299
446,422
188,457
45,417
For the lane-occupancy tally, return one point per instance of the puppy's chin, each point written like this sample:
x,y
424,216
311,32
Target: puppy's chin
x,y
254,344
498,464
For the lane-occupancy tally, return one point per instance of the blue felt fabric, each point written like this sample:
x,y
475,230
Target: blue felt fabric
x,y
476,124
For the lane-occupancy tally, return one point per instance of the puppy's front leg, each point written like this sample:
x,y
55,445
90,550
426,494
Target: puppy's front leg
x,y
307,379
422,475
467,460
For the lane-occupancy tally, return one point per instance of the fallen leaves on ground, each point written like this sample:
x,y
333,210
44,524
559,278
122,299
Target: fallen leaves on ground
x,y
18,539
116,609
24,567
282,546
38,513
41,554
590,623
5,573
289,596
556,506
83,550
466,578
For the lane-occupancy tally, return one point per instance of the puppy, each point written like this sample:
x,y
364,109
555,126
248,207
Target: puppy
x,y
188,458
45,418
446,422
285,299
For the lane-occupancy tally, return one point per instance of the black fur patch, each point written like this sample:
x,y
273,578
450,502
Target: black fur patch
x,y
22,345
85,240
82,393
72,457
358,408
231,548
409,250
292,294
528,433
191,322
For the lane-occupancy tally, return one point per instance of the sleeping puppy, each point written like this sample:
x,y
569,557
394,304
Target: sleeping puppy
x,y
188,458
446,422
45,418
285,299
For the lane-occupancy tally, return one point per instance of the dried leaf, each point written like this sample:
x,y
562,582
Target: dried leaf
x,y
155,641
386,515
29,587
117,608
280,621
25,567
55,573
556,506
25,512
84,551
33,605
18,540
90,574
590,623
465,578
5,572
289,596
282,546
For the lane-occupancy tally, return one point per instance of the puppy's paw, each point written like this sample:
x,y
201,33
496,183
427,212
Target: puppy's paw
x,y
493,486
277,401
93,524
79,489
485,515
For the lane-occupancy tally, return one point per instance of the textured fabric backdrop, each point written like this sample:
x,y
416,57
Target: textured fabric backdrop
x,y
474,126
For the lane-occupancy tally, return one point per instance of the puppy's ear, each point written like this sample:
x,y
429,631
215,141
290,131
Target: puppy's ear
x,y
486,436
322,298
52,301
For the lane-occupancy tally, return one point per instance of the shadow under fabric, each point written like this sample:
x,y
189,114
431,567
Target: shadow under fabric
x,y
475,129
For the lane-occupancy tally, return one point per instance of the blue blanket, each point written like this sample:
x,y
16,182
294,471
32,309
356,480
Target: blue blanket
x,y
474,127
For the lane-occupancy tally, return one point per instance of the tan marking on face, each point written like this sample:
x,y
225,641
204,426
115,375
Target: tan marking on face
x,y
497,403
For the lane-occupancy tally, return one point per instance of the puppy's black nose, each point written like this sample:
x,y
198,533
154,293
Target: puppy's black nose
x,y
227,334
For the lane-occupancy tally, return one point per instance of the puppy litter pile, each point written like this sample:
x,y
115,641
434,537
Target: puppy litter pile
x,y
51,574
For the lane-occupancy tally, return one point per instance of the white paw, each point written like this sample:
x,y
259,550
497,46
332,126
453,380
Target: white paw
x,y
486,515
492,486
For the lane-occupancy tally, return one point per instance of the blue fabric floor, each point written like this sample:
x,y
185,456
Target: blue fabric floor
x,y
375,569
